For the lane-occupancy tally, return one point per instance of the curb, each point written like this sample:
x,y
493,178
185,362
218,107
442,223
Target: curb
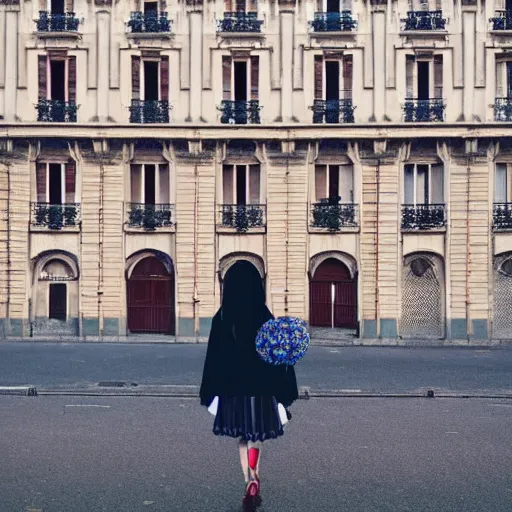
x,y
18,390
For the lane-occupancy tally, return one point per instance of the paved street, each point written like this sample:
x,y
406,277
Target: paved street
x,y
131,454
370,369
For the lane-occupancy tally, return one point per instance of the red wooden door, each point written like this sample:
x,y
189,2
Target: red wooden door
x,y
151,298
333,296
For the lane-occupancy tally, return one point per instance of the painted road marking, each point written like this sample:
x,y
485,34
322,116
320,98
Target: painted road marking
x,y
88,405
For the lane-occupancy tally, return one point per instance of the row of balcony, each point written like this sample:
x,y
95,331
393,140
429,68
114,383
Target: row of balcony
x,y
325,214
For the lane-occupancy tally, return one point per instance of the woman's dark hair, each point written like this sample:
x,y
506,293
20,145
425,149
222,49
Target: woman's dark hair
x,y
243,301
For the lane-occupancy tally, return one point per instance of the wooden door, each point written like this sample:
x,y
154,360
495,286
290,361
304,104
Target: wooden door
x,y
151,298
333,296
58,302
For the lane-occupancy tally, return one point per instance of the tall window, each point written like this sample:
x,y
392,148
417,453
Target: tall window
x,y
241,5
334,183
56,182
503,183
425,5
504,79
57,77
150,8
150,184
241,184
240,78
333,5
423,184
333,78
56,6
424,77
150,78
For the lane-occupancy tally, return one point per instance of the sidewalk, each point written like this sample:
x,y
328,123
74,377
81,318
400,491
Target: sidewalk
x,y
177,368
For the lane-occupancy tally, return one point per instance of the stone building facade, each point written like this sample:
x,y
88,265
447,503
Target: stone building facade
x,y
357,152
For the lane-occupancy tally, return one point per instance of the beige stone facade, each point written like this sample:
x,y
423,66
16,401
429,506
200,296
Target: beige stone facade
x,y
360,158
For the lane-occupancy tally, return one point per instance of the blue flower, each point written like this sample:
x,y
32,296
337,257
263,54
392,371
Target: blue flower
x,y
283,340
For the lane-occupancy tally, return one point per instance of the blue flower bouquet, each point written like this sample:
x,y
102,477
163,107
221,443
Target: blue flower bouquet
x,y
283,340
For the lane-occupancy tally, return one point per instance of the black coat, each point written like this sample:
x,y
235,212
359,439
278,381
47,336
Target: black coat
x,y
233,368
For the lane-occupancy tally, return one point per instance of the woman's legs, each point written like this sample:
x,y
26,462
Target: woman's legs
x,y
242,446
254,458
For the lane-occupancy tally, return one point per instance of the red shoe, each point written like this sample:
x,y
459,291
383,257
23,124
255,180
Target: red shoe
x,y
252,498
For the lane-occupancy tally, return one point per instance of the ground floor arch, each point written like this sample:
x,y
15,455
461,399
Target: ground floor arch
x,y
332,294
502,296
151,294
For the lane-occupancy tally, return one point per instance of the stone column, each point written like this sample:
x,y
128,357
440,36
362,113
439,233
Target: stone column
x,y
286,65
379,64
11,64
103,63
196,65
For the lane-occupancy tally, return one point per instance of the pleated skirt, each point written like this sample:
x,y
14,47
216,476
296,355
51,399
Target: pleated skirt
x,y
248,417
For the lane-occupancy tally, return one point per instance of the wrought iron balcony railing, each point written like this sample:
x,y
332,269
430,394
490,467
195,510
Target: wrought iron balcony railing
x,y
240,112
502,216
55,216
56,111
62,22
149,111
418,111
333,22
239,22
423,216
149,23
503,109
424,20
334,216
242,217
150,216
333,111
502,20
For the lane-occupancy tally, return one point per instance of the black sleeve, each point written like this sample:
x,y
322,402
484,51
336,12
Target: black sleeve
x,y
288,391
206,392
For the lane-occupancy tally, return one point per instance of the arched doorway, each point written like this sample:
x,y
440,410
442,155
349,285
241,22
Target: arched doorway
x,y
151,298
333,296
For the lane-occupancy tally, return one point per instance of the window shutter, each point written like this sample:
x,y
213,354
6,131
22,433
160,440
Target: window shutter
x,y
436,183
70,181
227,6
137,6
72,79
346,188
319,69
163,173
252,5
320,6
227,186
500,183
136,183
320,182
254,184
347,77
164,78
409,184
422,184
42,76
509,79
438,76
255,71
135,77
500,82
43,6
226,77
409,75
41,182
69,6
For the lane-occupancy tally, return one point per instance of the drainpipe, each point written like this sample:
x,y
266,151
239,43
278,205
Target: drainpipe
x,y
8,298
195,298
377,302
101,233
287,225
468,246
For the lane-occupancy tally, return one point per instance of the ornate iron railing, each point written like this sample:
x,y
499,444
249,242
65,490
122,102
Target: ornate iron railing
x,y
56,111
149,111
423,216
55,216
334,216
240,112
502,20
239,22
63,22
502,216
333,111
242,217
417,111
503,109
424,20
150,216
333,22
149,23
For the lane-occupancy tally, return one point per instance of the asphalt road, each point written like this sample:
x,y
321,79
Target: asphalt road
x,y
369,369
92,454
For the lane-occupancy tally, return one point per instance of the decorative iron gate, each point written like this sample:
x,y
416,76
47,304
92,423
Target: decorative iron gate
x,y
422,297
502,307
151,298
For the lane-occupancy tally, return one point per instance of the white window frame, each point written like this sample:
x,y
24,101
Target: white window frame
x,y
502,86
342,87
327,181
234,184
49,77
415,75
249,77
508,182
415,182
62,181
233,7
423,5
142,191
142,88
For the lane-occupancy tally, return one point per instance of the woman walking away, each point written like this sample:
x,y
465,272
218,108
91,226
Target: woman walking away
x,y
248,389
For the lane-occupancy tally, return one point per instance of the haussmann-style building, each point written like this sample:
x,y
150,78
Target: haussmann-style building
x,y
357,153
